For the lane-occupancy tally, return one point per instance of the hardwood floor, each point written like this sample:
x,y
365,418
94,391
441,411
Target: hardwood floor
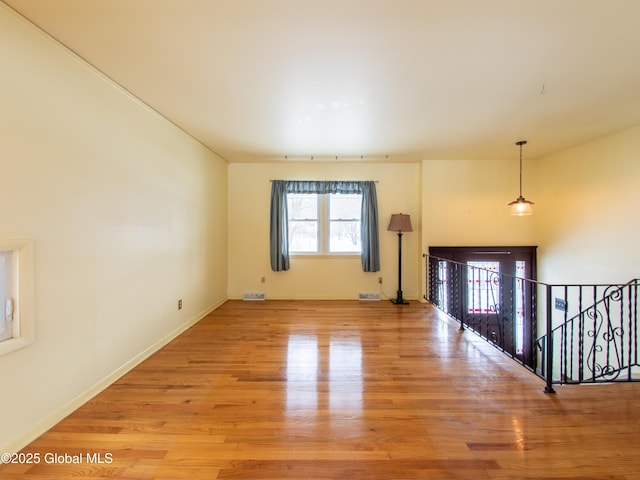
x,y
339,390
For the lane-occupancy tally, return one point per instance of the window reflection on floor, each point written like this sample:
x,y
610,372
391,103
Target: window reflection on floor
x,y
345,375
339,364
302,373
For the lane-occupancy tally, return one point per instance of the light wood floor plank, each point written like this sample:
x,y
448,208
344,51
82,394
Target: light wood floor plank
x,y
340,390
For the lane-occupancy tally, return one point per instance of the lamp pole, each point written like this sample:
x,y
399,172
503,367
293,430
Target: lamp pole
x,y
399,300
400,223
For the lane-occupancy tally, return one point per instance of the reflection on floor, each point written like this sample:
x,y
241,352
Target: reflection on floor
x,y
340,390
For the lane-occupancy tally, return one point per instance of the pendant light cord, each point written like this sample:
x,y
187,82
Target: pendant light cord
x,y
520,169
520,143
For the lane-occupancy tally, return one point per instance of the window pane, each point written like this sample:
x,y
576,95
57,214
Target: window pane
x,y
520,304
303,223
344,223
344,236
344,207
7,313
483,294
303,236
302,206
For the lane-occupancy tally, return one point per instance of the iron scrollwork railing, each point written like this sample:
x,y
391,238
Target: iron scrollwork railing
x,y
565,334
599,343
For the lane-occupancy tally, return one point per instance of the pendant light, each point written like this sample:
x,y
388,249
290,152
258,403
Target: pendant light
x,y
521,207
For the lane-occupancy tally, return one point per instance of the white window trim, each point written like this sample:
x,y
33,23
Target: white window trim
x,y
23,311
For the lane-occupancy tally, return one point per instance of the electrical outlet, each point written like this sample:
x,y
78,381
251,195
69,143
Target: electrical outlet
x,y
263,279
380,280
180,304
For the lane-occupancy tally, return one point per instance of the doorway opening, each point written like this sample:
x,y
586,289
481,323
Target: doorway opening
x,y
487,289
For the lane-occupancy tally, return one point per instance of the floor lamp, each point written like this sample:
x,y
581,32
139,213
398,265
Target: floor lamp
x,y
400,223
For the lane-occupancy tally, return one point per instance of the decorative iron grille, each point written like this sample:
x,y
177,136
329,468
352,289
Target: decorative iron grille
x,y
563,333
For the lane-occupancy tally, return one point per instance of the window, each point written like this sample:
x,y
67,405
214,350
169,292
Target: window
x,y
16,294
282,243
304,214
324,223
483,292
7,295
344,222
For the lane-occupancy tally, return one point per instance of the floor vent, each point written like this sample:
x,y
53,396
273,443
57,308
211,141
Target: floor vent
x,y
368,297
253,296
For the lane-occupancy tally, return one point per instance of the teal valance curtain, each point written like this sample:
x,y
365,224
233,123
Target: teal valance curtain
x,y
279,234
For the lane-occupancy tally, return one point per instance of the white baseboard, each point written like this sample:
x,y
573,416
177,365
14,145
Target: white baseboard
x,y
47,423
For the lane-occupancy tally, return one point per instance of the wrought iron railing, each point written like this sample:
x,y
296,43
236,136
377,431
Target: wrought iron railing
x,y
600,342
562,333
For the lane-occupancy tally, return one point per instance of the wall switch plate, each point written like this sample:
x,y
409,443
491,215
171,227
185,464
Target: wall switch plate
x,y
561,304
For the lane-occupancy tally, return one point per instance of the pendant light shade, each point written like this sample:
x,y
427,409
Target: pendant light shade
x,y
521,207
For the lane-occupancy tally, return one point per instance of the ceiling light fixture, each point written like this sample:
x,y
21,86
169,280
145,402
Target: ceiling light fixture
x,y
521,207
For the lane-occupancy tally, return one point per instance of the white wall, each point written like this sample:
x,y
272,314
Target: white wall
x,y
588,223
464,203
320,278
585,220
127,215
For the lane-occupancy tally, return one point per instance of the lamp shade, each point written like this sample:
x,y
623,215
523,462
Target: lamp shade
x,y
400,222
521,207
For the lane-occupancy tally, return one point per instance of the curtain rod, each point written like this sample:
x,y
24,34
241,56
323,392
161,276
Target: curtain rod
x,y
375,181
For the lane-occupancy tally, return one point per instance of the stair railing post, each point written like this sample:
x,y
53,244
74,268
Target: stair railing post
x,y
549,360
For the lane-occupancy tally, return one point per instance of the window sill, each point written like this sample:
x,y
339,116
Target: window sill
x,y
13,344
316,256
